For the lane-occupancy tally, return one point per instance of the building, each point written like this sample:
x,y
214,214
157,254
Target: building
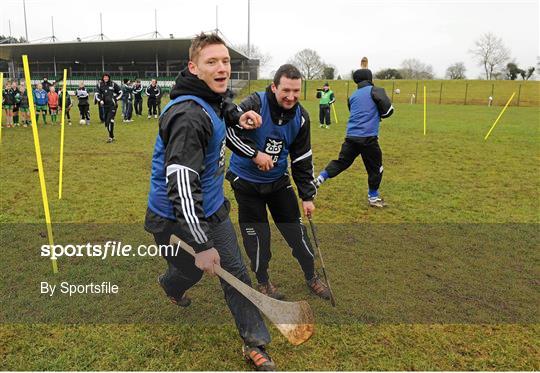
x,y
144,59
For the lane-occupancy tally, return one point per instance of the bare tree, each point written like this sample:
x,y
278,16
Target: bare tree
x,y
491,53
414,69
456,71
254,53
309,63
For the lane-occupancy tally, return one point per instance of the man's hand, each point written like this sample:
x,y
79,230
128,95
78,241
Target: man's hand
x,y
309,208
102,103
263,161
250,120
205,260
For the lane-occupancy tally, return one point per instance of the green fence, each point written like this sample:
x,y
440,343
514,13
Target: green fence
x,y
460,92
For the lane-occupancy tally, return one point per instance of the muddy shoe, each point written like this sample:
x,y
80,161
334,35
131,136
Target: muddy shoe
x,y
259,358
376,202
318,287
184,301
267,288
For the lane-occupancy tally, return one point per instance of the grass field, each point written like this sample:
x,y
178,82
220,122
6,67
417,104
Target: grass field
x,y
446,278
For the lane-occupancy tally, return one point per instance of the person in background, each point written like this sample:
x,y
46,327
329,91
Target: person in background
x,y
137,92
24,107
108,95
84,106
69,105
153,92
52,101
368,105
326,99
41,100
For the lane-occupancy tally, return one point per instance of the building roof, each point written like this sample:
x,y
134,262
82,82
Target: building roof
x,y
111,50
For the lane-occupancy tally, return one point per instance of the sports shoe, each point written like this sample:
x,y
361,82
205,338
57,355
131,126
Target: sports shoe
x,y
155,116
318,181
327,127
184,301
149,116
321,126
259,358
109,140
376,202
267,288
318,287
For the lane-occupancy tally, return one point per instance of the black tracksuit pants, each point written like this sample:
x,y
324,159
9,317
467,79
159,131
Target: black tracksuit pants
x,y
182,274
369,149
324,114
279,196
109,113
138,105
84,110
152,106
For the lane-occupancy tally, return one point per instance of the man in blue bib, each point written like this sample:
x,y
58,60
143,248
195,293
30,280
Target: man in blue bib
x,y
284,133
186,190
368,105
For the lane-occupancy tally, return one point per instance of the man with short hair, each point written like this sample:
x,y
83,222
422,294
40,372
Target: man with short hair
x,y
186,190
153,92
284,133
107,95
137,92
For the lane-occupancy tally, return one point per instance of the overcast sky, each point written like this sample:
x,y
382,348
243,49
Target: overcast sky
x,y
437,32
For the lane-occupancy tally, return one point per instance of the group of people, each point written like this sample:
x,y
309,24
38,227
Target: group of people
x,y
265,131
48,101
16,105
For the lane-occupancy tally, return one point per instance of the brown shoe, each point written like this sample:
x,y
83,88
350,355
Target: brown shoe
x,y
267,288
318,287
184,301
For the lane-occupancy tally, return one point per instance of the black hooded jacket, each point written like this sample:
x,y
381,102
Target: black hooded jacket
x,y
186,130
300,149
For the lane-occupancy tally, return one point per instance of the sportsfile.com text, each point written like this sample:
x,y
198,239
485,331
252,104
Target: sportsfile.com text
x,y
108,249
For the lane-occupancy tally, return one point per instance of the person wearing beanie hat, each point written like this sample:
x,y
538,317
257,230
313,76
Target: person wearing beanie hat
x,y
368,105
108,93
326,98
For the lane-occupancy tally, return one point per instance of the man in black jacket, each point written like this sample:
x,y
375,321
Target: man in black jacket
x,y
368,105
153,92
108,94
137,92
186,191
284,133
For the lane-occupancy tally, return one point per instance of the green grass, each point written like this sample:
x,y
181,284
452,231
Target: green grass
x,y
446,278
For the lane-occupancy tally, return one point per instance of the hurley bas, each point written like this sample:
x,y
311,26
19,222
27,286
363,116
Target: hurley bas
x,y
104,287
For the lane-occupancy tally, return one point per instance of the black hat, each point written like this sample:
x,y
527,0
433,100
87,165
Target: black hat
x,y
326,85
361,75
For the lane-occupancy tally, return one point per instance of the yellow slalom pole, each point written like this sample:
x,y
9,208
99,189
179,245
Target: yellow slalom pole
x,y
425,111
334,110
500,115
38,158
62,122
1,98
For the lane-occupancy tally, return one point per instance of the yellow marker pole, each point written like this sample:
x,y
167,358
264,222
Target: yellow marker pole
x,y
1,98
425,111
335,115
500,115
38,158
62,122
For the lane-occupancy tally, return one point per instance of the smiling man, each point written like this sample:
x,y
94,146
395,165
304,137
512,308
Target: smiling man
x,y
186,191
284,133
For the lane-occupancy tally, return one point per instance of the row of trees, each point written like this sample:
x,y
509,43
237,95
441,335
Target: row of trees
x,y
489,51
